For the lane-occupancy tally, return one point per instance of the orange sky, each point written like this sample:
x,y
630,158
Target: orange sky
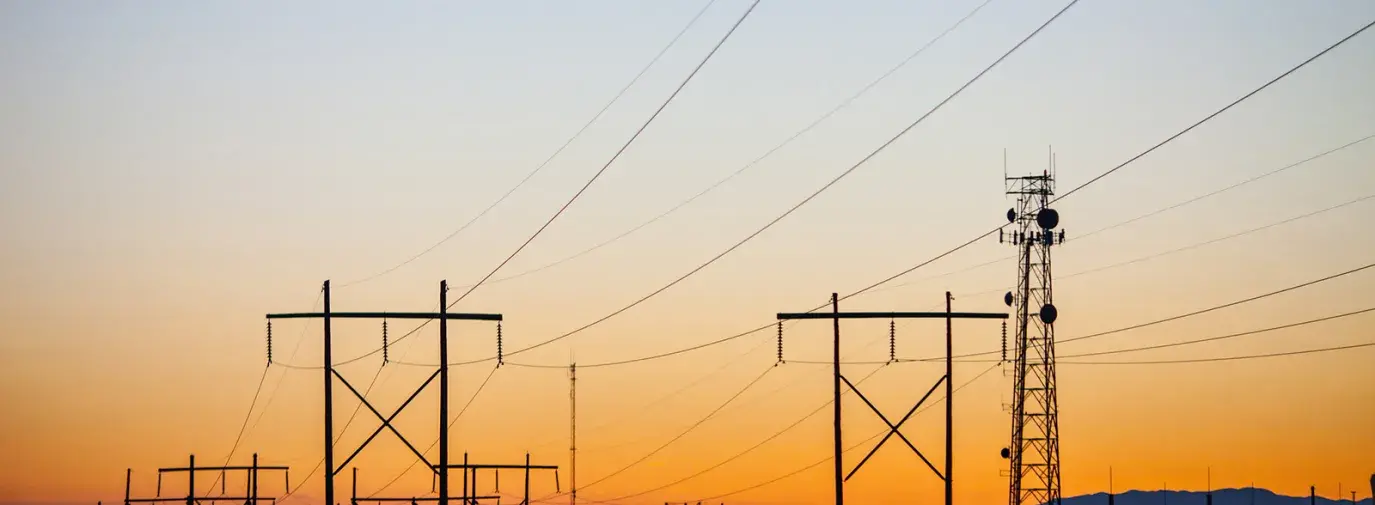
x,y
173,173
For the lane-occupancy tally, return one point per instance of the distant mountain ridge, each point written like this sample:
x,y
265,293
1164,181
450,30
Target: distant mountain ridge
x,y
1243,496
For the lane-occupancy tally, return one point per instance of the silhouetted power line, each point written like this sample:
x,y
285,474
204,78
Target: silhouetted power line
x,y
1184,315
615,156
741,454
1228,188
1195,245
1227,358
1146,215
1222,306
847,449
471,399
549,159
962,245
683,433
580,191
1223,337
810,126
814,194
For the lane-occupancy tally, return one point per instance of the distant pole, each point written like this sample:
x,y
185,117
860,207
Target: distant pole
x,y
444,397
1209,496
573,433
128,475
1312,495
526,501
835,401
191,482
949,407
329,405
254,478
1111,496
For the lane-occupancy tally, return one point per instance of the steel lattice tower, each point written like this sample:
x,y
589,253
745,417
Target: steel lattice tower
x,y
1034,452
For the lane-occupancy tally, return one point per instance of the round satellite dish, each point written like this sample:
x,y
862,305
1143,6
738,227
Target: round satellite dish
x,y
1048,313
1007,298
1005,453
1048,218
1011,215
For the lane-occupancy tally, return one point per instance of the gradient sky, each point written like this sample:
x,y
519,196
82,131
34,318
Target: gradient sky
x,y
171,171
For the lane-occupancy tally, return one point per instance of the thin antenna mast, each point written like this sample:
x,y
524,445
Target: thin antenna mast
x,y
573,433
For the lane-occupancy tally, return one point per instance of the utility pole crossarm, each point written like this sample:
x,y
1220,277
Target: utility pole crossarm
x,y
892,315
452,316
222,468
474,466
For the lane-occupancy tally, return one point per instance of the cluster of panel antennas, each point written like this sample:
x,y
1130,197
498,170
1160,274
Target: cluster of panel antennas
x,y
1048,219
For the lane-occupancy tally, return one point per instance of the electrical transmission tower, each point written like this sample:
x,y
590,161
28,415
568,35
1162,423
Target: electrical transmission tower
x,y
893,429
1034,452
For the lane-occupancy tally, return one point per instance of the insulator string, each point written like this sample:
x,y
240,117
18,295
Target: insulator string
x,y
1004,340
892,341
780,344
269,342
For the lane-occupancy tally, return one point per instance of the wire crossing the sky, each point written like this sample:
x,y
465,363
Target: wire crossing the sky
x,y
1209,117
814,194
614,157
811,126
547,160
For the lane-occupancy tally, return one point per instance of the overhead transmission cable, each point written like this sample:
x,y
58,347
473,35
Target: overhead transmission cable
x,y
242,427
586,185
848,449
770,152
770,394
1219,307
340,436
615,156
814,194
1146,215
1223,337
1227,358
1157,362
1131,160
752,448
551,156
1195,245
450,426
1177,317
1061,197
1229,188
245,427
683,433
985,234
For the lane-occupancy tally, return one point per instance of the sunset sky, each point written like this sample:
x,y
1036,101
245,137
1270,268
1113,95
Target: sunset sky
x,y
172,171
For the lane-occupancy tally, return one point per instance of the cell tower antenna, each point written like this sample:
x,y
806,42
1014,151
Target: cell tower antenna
x,y
1034,451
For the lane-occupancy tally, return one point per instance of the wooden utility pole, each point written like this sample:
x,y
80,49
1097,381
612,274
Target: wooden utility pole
x,y
331,374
